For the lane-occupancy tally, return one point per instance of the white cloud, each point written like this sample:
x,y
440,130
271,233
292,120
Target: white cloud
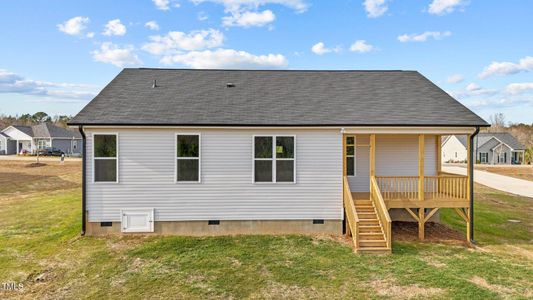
x,y
423,36
90,35
473,90
202,16
455,78
320,49
115,55
247,5
114,27
500,103
162,4
375,8
244,13
519,88
361,46
249,19
152,25
176,41
441,7
74,26
507,68
227,59
17,84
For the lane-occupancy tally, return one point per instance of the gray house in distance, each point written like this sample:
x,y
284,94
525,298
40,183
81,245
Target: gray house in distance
x,y
495,148
18,139
218,152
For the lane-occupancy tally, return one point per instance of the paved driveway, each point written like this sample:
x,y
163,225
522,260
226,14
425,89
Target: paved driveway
x,y
503,183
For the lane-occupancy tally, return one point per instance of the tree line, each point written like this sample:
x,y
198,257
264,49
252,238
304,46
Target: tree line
x,y
33,119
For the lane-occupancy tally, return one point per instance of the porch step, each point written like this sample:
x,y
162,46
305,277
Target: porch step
x,y
375,250
370,229
367,215
371,235
372,243
368,222
363,202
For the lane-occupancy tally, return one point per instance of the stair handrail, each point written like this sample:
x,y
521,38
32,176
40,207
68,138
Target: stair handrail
x,y
351,214
381,208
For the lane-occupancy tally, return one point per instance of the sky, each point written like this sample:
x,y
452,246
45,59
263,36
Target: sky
x,y
55,56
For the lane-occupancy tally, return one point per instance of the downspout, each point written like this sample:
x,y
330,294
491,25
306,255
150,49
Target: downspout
x,y
471,166
83,182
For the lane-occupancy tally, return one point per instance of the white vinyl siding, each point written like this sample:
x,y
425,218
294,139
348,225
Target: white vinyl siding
x,y
227,191
396,155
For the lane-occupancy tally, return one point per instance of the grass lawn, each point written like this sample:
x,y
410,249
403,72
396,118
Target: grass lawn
x,y
40,247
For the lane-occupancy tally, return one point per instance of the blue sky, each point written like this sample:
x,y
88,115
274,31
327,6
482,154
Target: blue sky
x,y
56,55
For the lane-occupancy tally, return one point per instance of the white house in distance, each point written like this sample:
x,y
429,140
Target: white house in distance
x,y
17,139
213,152
498,148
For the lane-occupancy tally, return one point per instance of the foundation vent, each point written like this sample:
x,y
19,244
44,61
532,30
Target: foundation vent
x,y
213,222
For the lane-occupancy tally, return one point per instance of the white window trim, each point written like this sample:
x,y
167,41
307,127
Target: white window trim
x,y
354,155
273,159
117,158
199,158
483,155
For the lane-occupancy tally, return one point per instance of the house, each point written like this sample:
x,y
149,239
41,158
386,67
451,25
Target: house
x,y
495,148
18,139
211,152
454,148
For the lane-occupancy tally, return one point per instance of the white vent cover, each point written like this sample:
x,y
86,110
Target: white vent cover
x,y
138,220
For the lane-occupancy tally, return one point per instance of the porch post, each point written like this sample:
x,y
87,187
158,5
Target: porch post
x,y
372,155
421,190
469,166
438,141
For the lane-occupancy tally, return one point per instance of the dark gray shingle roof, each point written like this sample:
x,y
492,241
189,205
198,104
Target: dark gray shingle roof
x,y
26,129
274,98
46,130
505,137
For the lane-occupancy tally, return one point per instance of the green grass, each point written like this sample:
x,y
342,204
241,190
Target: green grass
x,y
39,237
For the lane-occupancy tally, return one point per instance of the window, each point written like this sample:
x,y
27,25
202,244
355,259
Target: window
x,y
41,144
188,158
483,157
105,160
274,161
75,145
350,156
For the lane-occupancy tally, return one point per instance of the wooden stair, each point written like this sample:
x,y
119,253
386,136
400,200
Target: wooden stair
x,y
371,234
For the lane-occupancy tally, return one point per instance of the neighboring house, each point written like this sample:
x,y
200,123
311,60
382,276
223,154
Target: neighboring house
x,y
454,148
27,139
497,148
206,152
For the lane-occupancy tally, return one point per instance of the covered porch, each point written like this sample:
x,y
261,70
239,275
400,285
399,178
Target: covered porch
x,y
420,196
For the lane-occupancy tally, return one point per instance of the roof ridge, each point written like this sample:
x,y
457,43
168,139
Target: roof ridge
x,y
269,70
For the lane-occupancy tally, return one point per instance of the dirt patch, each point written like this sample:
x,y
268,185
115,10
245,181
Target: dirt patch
x,y
520,172
434,232
25,177
501,290
389,288
34,165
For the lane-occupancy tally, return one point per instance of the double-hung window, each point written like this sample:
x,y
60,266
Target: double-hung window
x,y
350,155
483,157
105,157
274,159
188,158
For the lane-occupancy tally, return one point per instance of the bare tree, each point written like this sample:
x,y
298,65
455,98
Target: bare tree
x,y
497,122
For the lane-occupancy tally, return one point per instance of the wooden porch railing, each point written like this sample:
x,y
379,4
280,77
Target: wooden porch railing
x,y
435,187
351,214
382,211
